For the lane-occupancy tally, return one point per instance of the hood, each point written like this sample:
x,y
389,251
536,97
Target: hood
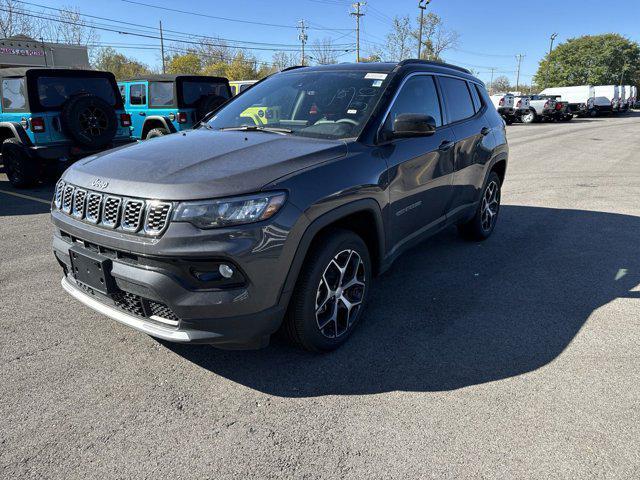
x,y
201,164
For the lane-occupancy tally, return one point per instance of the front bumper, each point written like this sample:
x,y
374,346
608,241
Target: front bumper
x,y
156,275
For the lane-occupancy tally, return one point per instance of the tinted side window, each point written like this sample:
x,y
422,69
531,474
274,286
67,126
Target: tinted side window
x,y
13,94
477,103
138,94
418,95
457,98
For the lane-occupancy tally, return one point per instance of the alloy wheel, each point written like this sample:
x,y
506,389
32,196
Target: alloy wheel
x,y
93,121
340,293
490,205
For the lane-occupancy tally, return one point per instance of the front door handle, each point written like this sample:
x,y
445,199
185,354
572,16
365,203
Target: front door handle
x,y
445,145
485,131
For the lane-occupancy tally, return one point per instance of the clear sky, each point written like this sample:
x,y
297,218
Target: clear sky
x,y
492,32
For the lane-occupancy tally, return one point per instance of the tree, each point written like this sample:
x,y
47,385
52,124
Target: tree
x,y
242,67
122,67
435,37
13,21
374,57
282,60
324,52
591,60
187,64
500,84
400,39
75,30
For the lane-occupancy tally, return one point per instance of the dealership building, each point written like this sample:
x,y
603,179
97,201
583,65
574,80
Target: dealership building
x,y
22,51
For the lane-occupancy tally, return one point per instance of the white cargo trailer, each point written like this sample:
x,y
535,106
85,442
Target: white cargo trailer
x,y
606,99
580,98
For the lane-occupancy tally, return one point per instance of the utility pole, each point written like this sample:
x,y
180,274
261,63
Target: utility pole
x,y
358,14
491,82
553,37
162,48
303,37
519,58
422,5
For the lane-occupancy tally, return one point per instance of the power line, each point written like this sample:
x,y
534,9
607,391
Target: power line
x,y
228,19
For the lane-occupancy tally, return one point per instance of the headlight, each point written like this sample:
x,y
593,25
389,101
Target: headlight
x,y
230,211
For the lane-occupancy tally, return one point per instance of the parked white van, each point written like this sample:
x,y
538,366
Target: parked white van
x,y
623,94
607,99
580,98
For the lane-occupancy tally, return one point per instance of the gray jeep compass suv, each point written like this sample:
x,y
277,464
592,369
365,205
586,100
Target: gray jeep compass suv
x,y
279,208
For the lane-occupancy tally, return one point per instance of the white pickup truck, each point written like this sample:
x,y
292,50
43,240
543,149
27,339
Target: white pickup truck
x,y
521,105
504,103
541,107
579,98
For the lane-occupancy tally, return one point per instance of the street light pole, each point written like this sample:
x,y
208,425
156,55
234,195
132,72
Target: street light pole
x,y
422,5
553,37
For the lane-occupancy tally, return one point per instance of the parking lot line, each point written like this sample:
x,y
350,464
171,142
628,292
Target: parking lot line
x,y
28,197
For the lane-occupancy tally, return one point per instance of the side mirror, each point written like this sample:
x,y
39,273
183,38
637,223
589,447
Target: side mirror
x,y
408,125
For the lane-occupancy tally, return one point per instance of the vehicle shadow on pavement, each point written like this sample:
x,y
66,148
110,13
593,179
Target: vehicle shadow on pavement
x,y
21,201
451,314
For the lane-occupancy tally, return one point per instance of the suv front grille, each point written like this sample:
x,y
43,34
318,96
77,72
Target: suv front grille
x,y
78,203
132,215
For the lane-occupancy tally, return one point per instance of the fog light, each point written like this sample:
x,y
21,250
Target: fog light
x,y
225,270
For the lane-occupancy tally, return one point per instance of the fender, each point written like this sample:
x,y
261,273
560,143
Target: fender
x,y
18,132
165,121
368,205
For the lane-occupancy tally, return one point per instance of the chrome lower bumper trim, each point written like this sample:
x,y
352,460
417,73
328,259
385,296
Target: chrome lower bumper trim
x,y
122,317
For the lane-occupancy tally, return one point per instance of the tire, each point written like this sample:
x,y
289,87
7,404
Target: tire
x,y
157,132
567,118
508,119
477,228
314,303
89,120
529,117
208,104
21,170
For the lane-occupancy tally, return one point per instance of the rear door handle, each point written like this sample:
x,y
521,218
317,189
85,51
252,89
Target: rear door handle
x,y
485,131
445,145
141,113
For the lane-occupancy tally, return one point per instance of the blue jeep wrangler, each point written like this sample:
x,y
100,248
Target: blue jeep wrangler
x,y
50,117
163,104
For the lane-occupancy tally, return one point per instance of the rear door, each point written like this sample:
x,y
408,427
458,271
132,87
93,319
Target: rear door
x,y
419,168
473,141
138,105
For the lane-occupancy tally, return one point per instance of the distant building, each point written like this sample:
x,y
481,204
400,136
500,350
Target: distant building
x,y
22,51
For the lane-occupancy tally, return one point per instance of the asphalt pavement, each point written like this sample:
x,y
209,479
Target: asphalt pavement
x,y
514,358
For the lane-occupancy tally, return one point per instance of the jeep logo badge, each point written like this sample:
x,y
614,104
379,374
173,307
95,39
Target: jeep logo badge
x,y
100,184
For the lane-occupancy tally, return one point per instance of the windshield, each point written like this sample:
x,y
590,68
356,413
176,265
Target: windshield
x,y
194,91
54,91
322,104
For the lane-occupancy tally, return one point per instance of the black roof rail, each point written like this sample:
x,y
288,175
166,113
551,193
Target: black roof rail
x,y
292,68
410,61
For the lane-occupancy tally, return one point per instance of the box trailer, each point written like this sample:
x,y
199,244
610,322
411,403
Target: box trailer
x,y
580,98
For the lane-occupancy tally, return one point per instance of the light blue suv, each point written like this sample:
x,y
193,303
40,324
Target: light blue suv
x,y
50,117
163,104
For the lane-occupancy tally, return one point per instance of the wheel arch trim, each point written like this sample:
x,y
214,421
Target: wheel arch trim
x,y
367,205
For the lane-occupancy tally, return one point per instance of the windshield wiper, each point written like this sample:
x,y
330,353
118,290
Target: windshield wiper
x,y
257,128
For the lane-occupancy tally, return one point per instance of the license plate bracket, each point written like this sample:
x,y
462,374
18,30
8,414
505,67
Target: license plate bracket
x,y
92,270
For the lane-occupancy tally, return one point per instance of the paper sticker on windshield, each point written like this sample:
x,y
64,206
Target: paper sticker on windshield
x,y
352,111
375,76
376,83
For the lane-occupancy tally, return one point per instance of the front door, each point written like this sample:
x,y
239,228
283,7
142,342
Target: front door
x,y
420,168
138,107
